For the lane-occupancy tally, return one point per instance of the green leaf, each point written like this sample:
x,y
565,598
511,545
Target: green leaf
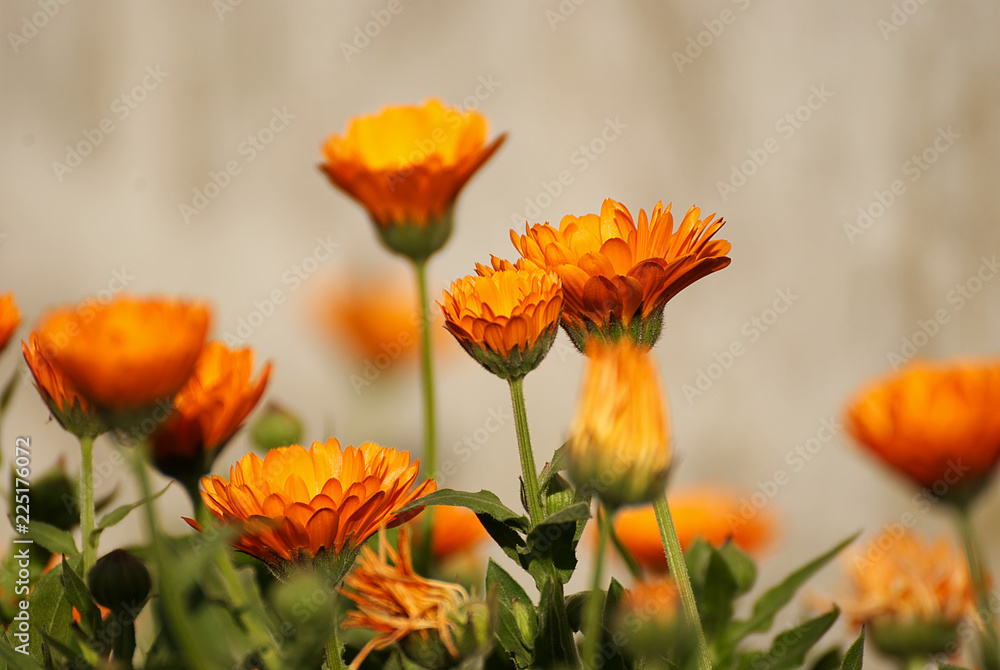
x,y
506,536
696,559
80,598
116,515
775,598
789,648
554,646
741,566
577,512
518,640
559,462
483,502
831,660
720,588
49,610
55,540
855,655
17,659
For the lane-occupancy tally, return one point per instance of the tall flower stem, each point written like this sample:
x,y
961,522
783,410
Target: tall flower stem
x,y
528,473
990,644
592,622
427,383
87,521
335,650
678,568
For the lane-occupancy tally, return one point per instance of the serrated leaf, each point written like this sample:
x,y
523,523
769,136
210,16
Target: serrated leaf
x,y
118,514
855,655
789,648
55,540
482,502
80,598
775,598
741,565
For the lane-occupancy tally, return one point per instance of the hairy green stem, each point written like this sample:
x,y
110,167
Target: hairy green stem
x,y
87,522
990,644
678,568
430,428
592,621
528,473
335,651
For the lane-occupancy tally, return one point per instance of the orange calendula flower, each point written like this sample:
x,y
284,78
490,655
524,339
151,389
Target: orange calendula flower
x,y
436,623
455,531
620,442
618,275
208,411
714,515
649,615
937,423
505,318
129,353
314,506
407,165
910,594
65,403
10,318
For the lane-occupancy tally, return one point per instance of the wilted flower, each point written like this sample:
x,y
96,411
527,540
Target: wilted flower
x,y
436,623
617,275
937,423
620,442
65,403
126,354
910,594
314,506
714,515
406,165
10,318
506,319
208,411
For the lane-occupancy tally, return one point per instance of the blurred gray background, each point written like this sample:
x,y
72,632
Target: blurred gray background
x,y
887,106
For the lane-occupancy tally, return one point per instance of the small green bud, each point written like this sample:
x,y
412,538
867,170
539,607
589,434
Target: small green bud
x,y
276,427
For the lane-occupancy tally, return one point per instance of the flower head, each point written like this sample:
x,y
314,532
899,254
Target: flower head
x,y
649,616
316,505
505,318
620,444
436,622
937,423
73,412
208,411
126,354
10,318
455,530
407,165
912,594
618,275
714,515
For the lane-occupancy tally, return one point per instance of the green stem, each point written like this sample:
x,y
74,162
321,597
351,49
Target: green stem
x,y
171,598
678,568
123,646
87,522
592,622
528,473
990,644
427,380
335,651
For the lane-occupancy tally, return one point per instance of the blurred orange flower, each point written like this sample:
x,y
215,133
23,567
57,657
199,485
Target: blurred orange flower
x,y
617,275
314,506
619,447
656,599
10,318
69,408
406,165
455,531
506,318
394,602
712,514
208,410
129,353
937,423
